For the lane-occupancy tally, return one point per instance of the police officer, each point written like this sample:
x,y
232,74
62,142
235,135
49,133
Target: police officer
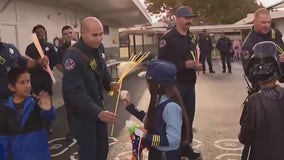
x,y
224,45
205,46
11,58
178,46
84,78
261,31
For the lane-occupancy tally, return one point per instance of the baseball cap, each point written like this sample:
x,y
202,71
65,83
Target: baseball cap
x,y
184,11
160,71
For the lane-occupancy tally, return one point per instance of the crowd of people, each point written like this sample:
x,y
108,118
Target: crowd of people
x,y
26,110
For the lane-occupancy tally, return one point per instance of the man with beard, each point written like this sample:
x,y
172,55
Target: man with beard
x,y
178,46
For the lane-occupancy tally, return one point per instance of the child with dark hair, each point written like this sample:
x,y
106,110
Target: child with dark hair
x,y
166,123
262,119
26,137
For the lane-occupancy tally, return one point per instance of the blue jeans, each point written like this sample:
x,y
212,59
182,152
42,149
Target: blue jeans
x,y
187,92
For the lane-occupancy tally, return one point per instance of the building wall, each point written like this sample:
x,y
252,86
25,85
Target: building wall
x,y
19,17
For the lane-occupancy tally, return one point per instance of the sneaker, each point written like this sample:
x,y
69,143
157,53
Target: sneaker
x,y
212,71
230,71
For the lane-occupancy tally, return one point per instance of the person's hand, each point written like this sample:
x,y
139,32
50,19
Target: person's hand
x,y
199,67
281,58
115,86
125,97
144,131
107,116
44,100
189,64
43,62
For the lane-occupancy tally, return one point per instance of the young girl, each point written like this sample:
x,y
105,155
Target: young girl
x,y
166,123
26,137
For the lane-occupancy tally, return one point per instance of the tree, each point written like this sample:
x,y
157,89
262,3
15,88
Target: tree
x,y
207,11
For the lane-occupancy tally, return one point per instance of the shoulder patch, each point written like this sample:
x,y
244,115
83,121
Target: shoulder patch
x,y
11,51
163,43
69,64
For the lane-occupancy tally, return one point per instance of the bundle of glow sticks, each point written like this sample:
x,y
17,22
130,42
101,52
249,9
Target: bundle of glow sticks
x,y
134,61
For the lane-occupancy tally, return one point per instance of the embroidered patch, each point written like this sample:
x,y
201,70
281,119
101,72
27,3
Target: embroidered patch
x,y
162,43
69,64
11,51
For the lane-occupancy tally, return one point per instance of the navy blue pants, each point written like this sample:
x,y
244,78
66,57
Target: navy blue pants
x,y
92,137
155,154
187,92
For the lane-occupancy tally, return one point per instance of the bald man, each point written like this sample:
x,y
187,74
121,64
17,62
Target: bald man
x,y
84,78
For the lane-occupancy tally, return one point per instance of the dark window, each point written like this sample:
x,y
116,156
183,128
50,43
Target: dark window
x,y
106,30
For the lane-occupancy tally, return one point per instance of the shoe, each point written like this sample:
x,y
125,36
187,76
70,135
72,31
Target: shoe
x,y
190,153
223,71
212,71
203,72
230,71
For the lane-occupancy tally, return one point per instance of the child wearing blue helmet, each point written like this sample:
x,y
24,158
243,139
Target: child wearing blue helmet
x,y
166,122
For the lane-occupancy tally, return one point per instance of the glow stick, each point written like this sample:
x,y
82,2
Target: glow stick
x,y
40,51
133,63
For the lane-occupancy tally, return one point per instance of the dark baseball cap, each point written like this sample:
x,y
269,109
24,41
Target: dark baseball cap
x,y
184,11
161,72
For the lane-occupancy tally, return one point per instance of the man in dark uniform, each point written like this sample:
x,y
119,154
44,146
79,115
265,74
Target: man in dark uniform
x,y
68,40
224,45
40,79
84,78
205,46
178,46
262,31
11,58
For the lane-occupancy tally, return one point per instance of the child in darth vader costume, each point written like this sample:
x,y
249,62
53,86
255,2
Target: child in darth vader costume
x,y
262,119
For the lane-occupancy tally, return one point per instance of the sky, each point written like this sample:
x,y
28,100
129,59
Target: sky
x,y
267,3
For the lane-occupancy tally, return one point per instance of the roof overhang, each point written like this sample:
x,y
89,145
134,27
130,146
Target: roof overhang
x,y
121,13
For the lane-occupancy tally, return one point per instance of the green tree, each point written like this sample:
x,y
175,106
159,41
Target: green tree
x,y
207,11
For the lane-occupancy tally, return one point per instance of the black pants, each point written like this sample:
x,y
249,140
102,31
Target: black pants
x,y
208,58
92,137
155,154
226,57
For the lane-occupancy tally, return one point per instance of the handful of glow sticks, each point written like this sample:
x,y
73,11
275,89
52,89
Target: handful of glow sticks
x,y
134,61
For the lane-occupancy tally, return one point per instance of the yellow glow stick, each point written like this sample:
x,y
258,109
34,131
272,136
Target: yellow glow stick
x,y
133,63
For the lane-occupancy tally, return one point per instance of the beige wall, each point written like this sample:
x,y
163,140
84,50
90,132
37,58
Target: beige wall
x,y
19,17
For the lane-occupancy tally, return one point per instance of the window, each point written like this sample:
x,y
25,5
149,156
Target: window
x,y
106,30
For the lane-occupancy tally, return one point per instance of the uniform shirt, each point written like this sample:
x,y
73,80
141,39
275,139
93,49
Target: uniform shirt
x,y
224,44
172,116
82,86
177,48
10,58
40,79
205,45
170,121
